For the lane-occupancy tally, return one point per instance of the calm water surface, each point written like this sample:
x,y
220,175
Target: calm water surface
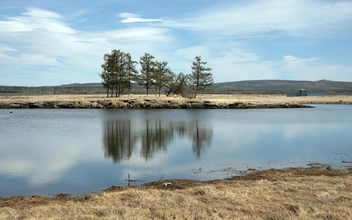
x,y
50,151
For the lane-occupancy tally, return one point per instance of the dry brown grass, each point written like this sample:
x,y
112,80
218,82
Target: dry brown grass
x,y
288,194
254,99
271,99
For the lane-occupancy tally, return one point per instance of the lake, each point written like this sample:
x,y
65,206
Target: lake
x,y
79,151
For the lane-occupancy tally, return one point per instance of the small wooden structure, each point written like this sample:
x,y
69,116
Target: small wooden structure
x,y
303,92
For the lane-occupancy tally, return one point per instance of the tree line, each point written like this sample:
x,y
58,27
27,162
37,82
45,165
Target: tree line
x,y
120,73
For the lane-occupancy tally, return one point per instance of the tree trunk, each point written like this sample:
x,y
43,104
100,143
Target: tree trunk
x,y
195,94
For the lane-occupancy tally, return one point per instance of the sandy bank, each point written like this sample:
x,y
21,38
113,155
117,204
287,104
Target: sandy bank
x,y
163,102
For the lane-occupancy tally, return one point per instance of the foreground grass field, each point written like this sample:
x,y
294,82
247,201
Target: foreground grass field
x,y
314,193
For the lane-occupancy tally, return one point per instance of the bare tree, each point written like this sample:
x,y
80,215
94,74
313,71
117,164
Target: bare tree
x,y
177,84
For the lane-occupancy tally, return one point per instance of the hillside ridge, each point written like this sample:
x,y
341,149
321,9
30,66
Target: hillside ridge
x,y
327,87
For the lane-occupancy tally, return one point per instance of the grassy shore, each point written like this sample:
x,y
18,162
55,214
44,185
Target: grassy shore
x,y
313,193
94,101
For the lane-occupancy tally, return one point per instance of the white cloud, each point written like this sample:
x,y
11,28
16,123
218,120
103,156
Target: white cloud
x,y
230,65
133,18
312,69
4,48
225,71
41,38
289,59
127,15
35,19
238,63
41,13
272,18
189,53
29,60
146,34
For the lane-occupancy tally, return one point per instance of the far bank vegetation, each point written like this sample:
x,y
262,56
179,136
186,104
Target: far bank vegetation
x,y
120,74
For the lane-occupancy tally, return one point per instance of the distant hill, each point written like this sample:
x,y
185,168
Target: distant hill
x,y
283,86
82,85
250,86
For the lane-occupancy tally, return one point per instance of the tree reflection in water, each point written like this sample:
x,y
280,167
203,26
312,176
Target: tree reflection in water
x,y
201,138
121,137
119,140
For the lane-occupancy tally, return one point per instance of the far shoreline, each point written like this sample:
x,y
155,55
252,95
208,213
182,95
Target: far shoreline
x,y
203,101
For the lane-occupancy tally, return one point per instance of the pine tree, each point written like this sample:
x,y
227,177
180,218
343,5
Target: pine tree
x,y
201,76
147,69
108,75
131,72
106,81
162,75
118,69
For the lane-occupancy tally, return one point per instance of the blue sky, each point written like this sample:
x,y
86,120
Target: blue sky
x,y
50,42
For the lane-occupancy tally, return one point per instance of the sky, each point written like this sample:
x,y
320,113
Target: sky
x,y
50,42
